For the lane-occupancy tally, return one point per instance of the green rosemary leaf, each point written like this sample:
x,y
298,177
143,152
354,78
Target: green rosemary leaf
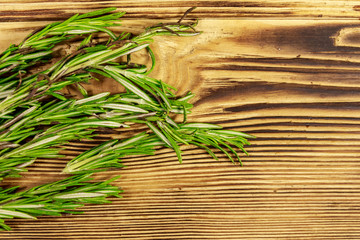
x,y
96,97
153,59
41,212
57,95
172,122
35,55
238,145
3,225
159,134
172,133
170,139
100,124
131,141
85,57
78,195
93,29
187,97
124,107
211,153
11,214
86,41
127,84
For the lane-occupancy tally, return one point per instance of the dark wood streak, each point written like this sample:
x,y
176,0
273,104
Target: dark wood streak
x,y
285,118
294,124
297,61
326,105
277,68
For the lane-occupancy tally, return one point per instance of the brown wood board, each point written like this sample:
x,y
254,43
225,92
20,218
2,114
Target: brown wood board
x,y
287,72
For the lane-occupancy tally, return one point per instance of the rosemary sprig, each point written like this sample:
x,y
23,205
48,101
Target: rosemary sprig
x,y
63,196
39,45
206,136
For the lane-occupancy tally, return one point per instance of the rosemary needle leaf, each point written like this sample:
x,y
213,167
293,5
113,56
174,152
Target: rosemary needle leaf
x,y
124,107
127,84
96,97
57,95
159,134
12,214
172,141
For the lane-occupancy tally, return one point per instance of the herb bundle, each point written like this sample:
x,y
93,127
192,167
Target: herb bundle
x,y
37,119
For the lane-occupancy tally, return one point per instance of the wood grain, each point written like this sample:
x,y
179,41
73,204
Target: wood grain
x,y
287,72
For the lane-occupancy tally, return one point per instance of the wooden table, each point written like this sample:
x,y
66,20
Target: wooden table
x,y
285,71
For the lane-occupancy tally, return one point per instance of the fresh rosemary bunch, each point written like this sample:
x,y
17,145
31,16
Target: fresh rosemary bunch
x,y
37,119
154,95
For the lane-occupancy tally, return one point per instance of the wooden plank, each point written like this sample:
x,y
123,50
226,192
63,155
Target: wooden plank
x,y
25,10
285,72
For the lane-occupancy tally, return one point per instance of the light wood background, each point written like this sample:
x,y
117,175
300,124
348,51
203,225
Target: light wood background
x,y
285,71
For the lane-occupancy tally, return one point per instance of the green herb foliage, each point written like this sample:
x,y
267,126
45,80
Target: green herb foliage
x,y
37,119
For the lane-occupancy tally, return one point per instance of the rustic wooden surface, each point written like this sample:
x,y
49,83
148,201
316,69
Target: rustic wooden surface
x,y
285,71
